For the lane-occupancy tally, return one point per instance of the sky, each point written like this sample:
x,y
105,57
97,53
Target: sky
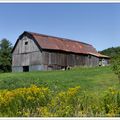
x,y
94,23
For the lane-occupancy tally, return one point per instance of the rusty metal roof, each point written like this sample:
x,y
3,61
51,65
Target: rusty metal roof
x,y
63,44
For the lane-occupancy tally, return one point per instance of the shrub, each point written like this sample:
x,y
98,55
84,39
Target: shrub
x,y
111,102
63,104
23,101
41,102
116,65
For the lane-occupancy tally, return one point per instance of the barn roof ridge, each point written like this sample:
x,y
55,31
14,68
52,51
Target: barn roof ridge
x,y
39,34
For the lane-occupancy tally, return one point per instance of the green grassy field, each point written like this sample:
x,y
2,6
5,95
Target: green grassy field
x,y
57,93
96,79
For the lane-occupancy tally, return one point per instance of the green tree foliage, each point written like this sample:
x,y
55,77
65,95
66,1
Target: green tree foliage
x,y
113,51
5,55
116,65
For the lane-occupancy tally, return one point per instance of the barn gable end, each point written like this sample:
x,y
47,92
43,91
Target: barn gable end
x,y
26,53
25,45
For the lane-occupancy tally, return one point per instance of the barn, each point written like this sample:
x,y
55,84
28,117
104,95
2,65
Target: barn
x,y
33,51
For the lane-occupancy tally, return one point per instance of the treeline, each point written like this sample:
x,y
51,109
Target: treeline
x,y
113,51
5,55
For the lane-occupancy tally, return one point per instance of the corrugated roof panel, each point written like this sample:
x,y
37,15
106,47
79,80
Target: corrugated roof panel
x,y
56,43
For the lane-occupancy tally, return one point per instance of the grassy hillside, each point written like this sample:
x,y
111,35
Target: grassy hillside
x,y
89,79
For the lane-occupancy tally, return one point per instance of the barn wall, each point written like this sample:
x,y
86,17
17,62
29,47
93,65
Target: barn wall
x,y
92,61
31,68
17,69
34,58
36,67
58,60
53,58
26,55
107,61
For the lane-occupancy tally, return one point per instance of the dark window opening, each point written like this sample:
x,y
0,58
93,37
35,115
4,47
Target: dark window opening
x,y
26,43
25,68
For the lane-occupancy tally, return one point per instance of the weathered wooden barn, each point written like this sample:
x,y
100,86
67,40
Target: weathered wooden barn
x,y
33,51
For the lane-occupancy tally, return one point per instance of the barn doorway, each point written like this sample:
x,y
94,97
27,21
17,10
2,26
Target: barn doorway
x,y
25,68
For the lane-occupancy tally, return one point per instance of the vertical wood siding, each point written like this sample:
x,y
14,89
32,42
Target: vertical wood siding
x,y
25,55
57,60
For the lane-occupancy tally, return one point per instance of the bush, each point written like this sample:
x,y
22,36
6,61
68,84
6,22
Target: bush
x,y
111,103
23,101
116,65
63,104
41,102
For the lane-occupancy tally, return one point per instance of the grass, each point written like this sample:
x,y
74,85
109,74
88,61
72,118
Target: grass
x,y
96,79
62,97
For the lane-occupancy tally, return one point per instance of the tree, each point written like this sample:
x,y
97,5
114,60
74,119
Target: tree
x,y
113,51
5,55
116,65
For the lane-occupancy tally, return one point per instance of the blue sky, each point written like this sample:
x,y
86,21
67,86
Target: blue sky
x,y
97,24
